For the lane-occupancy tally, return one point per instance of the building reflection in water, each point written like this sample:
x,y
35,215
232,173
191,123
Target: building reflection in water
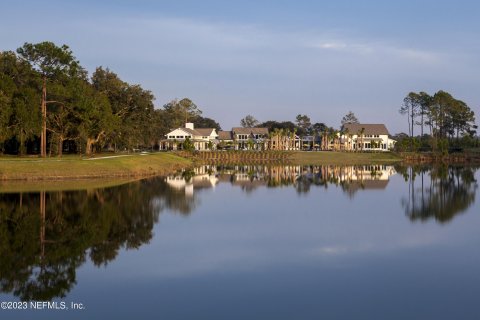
x,y
349,178
46,236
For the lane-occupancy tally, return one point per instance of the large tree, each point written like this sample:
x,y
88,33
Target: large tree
x,y
249,121
204,122
53,63
19,113
132,108
411,108
304,124
349,118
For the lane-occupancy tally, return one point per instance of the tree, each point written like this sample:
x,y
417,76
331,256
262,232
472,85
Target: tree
x,y
425,101
96,118
349,118
203,122
188,145
132,106
19,88
410,107
249,122
5,113
303,123
272,125
178,112
52,63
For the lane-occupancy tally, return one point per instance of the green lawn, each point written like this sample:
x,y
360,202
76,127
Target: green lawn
x,y
331,157
118,168
102,166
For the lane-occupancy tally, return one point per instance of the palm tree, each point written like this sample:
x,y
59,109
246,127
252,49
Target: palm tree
x,y
361,134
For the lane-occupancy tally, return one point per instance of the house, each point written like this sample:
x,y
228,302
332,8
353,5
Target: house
x,y
244,138
201,138
225,140
365,137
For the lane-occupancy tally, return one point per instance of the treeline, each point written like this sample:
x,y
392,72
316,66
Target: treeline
x,y
444,123
302,125
50,105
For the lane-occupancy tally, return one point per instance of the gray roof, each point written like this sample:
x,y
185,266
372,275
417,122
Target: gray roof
x,y
241,130
204,131
355,128
225,135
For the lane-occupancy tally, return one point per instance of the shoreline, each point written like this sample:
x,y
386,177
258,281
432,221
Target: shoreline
x,y
73,168
107,167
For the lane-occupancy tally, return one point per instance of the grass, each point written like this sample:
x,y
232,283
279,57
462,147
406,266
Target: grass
x,y
103,166
111,169
345,158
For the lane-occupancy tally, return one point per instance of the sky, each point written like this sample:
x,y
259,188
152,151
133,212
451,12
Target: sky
x,y
271,59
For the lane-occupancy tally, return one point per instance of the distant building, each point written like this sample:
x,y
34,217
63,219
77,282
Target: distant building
x,y
354,137
202,138
366,137
243,138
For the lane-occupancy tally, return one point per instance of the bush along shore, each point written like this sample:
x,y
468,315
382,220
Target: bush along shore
x,y
430,157
236,157
326,157
289,157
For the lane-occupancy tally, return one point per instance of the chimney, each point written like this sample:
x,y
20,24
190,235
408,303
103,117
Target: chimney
x,y
189,125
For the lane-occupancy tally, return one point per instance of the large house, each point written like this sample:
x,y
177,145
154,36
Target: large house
x,y
202,138
366,137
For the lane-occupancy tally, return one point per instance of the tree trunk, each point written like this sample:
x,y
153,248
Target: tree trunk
x,y
22,143
88,149
60,145
91,142
43,135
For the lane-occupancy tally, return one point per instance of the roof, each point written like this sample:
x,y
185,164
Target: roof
x,y
241,130
355,128
204,131
225,135
196,132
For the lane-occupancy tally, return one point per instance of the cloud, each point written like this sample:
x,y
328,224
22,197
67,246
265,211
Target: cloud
x,y
377,50
270,71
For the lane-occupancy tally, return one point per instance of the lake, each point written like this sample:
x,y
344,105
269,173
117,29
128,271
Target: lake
x,y
248,242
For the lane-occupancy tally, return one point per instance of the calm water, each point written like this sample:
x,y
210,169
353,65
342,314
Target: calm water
x,y
373,242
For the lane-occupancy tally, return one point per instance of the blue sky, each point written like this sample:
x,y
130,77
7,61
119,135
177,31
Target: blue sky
x,y
271,59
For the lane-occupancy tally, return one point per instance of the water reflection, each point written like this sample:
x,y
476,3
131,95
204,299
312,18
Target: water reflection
x,y
302,178
438,193
46,236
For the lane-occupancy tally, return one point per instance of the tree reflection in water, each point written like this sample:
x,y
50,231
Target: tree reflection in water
x,y
46,236
439,192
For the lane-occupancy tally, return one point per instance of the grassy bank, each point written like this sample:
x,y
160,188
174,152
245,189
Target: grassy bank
x,y
114,169
101,167
339,158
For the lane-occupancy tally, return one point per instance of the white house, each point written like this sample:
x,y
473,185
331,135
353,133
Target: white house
x,y
366,137
202,138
